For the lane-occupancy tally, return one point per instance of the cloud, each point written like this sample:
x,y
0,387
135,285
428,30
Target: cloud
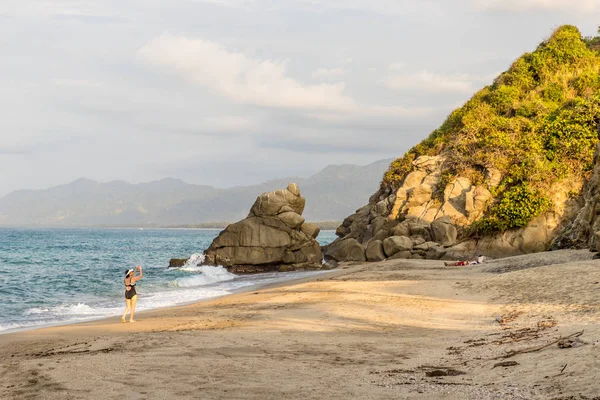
x,y
349,135
14,151
257,82
241,78
397,66
327,73
75,83
530,5
386,7
99,11
87,19
435,83
329,145
374,111
230,123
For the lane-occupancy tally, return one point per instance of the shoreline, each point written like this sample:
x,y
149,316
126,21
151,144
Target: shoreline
x,y
411,329
240,290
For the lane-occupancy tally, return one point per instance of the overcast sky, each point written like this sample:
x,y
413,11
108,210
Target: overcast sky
x,y
233,92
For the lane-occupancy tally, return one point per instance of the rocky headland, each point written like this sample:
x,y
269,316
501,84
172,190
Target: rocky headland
x,y
274,237
513,171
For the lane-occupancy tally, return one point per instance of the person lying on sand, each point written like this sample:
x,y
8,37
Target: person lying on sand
x,y
480,259
130,293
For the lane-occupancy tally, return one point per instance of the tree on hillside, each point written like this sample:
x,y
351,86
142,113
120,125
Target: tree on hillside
x,y
593,42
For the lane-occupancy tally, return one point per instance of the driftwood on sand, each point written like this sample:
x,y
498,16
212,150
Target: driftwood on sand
x,y
538,348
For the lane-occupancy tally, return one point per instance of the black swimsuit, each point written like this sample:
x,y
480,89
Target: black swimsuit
x,y
131,292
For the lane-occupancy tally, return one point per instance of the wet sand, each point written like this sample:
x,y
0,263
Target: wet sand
x,y
402,329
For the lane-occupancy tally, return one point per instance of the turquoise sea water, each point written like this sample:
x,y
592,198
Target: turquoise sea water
x,y
53,276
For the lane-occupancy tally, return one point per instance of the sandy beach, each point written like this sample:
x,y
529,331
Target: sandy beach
x,y
399,329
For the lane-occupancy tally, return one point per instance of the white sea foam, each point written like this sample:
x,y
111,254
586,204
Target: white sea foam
x,y
203,283
64,310
193,263
207,276
70,311
181,296
63,313
5,327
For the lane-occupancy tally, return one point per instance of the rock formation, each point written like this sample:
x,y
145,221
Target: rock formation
x,y
411,238
420,197
584,230
503,175
422,225
177,262
274,237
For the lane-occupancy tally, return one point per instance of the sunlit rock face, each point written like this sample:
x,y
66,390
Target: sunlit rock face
x,y
274,237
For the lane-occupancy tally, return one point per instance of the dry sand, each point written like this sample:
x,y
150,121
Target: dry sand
x,y
369,331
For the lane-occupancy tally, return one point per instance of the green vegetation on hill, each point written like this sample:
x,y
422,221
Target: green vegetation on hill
x,y
537,124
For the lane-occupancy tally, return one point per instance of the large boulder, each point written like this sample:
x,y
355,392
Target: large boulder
x,y
435,253
374,251
291,219
395,244
274,237
419,228
273,203
310,230
402,229
346,250
177,262
443,231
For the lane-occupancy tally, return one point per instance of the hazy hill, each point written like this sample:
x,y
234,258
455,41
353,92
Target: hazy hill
x,y
331,194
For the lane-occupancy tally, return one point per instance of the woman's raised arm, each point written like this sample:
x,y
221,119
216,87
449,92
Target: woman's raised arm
x,y
141,274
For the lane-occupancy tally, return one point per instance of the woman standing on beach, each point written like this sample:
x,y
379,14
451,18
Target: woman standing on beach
x,y
130,293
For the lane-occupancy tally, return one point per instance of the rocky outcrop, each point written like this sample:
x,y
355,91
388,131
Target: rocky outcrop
x,y
177,262
584,230
425,216
274,237
417,212
501,175
507,174
421,197
411,238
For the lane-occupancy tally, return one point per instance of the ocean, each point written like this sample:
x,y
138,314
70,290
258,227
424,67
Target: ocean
x,y
60,276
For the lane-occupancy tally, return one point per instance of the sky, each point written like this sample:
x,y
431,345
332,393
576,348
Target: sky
x,y
236,92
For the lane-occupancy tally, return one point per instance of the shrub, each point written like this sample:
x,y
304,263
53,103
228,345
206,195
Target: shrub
x,y
571,133
554,92
504,98
517,206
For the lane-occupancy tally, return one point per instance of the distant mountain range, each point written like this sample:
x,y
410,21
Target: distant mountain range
x,y
331,194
